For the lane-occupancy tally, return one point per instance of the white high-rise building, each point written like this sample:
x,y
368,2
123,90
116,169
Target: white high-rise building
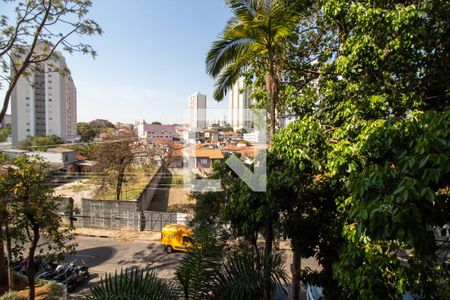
x,y
45,103
240,114
197,111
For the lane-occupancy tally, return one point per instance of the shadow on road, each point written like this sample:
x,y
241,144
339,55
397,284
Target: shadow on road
x,y
93,256
156,258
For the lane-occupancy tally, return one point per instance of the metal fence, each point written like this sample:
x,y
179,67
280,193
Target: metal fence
x,y
130,220
155,220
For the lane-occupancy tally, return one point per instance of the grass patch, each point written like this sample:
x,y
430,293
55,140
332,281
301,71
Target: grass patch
x,y
130,191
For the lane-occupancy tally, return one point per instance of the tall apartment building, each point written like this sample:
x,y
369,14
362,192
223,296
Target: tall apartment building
x,y
239,106
45,103
197,111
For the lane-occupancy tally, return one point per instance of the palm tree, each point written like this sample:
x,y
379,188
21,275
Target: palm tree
x,y
258,30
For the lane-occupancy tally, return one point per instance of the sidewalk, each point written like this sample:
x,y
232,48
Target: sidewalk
x,y
124,235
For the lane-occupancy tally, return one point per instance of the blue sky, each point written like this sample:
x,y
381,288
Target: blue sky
x,y
151,58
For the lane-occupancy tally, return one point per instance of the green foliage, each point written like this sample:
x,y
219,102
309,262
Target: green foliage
x,y
369,84
4,133
40,142
89,131
195,275
32,203
242,276
133,284
29,212
400,193
254,42
86,150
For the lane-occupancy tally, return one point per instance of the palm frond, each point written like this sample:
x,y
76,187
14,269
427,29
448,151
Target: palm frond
x,y
227,78
225,52
197,270
257,28
246,10
242,276
133,284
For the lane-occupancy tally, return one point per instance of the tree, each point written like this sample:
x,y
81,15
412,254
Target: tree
x,y
86,132
256,34
44,25
156,123
310,217
113,157
246,213
89,131
382,112
117,157
33,206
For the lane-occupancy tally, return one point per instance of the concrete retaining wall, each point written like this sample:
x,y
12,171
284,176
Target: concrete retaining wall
x,y
146,197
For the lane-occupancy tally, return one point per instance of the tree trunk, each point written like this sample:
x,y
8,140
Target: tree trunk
x,y
268,236
273,120
31,267
296,272
8,248
120,181
3,277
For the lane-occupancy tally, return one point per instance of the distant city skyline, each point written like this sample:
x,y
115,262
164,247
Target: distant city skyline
x,y
150,59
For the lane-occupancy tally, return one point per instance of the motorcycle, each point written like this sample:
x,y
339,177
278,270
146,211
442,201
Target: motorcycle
x,y
48,270
80,274
65,273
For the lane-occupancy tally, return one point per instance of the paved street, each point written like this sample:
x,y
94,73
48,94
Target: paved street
x,y
104,255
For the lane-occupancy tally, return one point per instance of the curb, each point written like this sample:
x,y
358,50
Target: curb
x,y
93,235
